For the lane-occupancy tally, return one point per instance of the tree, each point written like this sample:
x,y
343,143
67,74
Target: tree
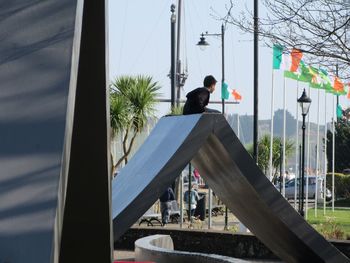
x,y
316,27
176,110
264,153
342,146
132,102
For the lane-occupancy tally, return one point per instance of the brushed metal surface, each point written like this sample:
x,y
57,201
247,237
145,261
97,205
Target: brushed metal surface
x,y
87,222
229,170
51,161
37,76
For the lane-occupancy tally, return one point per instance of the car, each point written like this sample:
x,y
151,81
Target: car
x,y
346,171
290,188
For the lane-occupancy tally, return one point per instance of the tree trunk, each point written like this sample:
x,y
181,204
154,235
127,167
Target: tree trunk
x,y
130,146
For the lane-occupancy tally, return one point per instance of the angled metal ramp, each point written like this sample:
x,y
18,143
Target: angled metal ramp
x,y
209,142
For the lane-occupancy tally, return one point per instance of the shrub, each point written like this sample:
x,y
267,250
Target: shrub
x,y
331,229
341,185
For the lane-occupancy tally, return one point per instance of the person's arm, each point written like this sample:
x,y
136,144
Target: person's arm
x,y
172,195
197,196
203,98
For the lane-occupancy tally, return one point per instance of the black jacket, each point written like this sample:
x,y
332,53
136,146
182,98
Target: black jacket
x,y
167,196
196,101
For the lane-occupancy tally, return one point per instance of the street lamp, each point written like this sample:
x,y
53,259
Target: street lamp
x,y
203,44
304,102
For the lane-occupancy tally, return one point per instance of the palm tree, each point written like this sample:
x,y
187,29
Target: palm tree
x,y
264,153
132,102
176,110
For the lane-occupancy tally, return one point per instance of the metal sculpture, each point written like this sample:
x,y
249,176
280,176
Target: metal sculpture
x,y
209,142
54,173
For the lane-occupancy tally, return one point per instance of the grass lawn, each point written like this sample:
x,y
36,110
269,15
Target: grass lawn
x,y
341,203
333,225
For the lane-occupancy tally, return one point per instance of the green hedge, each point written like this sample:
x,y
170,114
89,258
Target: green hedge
x,y
341,184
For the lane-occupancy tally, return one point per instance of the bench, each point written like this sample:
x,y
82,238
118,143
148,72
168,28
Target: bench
x,y
217,210
174,212
151,218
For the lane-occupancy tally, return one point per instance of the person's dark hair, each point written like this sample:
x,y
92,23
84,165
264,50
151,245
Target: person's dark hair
x,y
208,81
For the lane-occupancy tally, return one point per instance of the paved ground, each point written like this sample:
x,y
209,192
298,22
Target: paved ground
x,y
124,255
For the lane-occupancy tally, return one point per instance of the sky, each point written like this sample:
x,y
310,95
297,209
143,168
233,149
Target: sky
x,y
139,43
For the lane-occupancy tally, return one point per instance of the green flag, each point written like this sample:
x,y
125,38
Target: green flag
x,y
291,75
325,80
277,56
224,91
305,74
339,111
316,79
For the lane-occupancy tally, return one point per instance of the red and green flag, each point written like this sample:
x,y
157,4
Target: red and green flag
x,y
338,86
302,74
296,56
226,91
292,64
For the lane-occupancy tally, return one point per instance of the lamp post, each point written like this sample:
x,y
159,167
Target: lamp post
x,y
304,102
172,54
203,43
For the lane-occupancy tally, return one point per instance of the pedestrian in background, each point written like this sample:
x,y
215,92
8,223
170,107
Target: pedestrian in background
x,y
165,204
197,176
191,198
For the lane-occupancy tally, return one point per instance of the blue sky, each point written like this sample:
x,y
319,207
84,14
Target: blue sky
x,y
139,43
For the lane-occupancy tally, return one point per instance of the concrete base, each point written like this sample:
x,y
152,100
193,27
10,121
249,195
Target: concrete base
x,y
244,246
160,249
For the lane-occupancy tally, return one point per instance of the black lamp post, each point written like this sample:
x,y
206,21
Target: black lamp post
x,y
203,43
172,54
304,102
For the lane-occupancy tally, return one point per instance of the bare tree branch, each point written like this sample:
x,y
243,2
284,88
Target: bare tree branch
x,y
319,28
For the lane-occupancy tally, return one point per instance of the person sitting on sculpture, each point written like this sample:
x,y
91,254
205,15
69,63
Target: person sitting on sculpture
x,y
198,99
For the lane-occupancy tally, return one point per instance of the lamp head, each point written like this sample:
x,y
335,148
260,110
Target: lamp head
x,y
202,42
304,102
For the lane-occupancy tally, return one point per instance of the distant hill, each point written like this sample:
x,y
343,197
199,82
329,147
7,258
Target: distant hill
x,y
246,133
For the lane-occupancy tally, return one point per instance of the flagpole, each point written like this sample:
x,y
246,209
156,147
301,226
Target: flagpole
x,y
296,148
238,126
210,208
317,148
242,228
271,128
307,162
325,153
333,154
284,140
